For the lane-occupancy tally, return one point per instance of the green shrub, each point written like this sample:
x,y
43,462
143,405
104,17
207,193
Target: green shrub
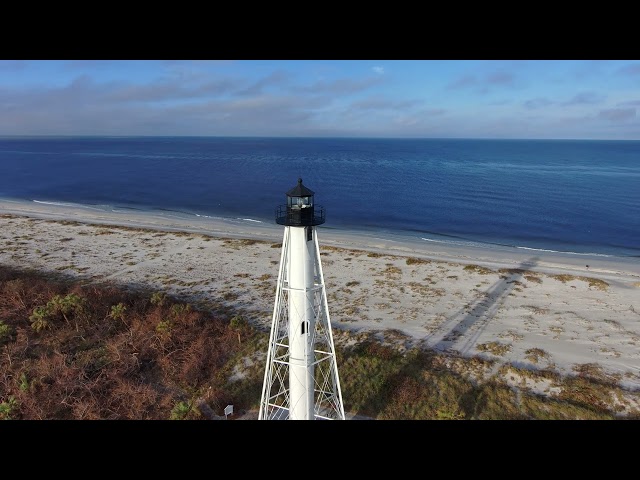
x,y
181,411
44,315
66,305
238,321
24,382
117,311
39,318
444,414
164,327
158,298
8,408
6,333
180,309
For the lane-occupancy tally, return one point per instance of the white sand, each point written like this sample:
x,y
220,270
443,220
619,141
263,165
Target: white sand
x,y
528,319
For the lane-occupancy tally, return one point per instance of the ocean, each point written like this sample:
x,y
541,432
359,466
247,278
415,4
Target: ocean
x,y
574,196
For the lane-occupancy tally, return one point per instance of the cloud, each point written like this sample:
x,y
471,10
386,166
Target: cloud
x,y
631,103
12,65
83,90
633,69
407,121
588,98
482,85
384,104
197,63
167,107
170,90
276,78
185,98
537,103
84,65
341,86
500,78
499,103
463,82
258,115
434,112
618,114
153,92
273,103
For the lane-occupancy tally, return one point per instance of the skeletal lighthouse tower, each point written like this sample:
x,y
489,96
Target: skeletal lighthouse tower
x,y
301,376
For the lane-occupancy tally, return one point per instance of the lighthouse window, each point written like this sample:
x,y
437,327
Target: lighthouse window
x,y
304,327
295,202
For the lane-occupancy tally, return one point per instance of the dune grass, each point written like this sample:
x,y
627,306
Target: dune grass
x,y
71,350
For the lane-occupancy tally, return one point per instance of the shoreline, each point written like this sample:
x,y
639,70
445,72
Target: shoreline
x,y
537,311
605,266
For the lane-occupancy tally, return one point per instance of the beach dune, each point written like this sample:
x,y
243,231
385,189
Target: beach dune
x,y
531,309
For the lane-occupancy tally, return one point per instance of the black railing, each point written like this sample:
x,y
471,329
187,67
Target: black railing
x,y
302,217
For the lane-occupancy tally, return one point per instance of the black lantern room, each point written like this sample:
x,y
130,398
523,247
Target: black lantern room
x,y
300,210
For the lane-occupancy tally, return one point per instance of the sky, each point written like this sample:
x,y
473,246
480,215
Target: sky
x,y
510,99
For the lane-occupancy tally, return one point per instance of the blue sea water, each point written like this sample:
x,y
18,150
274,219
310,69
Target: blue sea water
x,y
560,195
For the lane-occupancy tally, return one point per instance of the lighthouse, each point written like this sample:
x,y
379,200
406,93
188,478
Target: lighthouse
x,y
301,376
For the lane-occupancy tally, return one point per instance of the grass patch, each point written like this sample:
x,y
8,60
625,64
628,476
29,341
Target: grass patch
x,y
535,354
416,261
238,243
495,348
331,249
564,278
391,270
596,283
512,271
593,282
536,310
478,269
594,371
66,267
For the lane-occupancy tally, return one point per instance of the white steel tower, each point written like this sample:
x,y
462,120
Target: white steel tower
x,y
301,376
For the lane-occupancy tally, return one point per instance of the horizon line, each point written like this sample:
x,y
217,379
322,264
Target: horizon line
x,y
316,137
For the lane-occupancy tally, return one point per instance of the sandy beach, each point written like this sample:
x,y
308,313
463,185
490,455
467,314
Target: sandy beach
x,y
531,309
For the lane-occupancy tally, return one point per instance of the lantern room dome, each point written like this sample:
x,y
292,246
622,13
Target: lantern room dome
x,y
300,190
300,211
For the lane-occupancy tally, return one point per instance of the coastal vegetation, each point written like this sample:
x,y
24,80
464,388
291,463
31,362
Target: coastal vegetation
x,y
593,282
70,349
